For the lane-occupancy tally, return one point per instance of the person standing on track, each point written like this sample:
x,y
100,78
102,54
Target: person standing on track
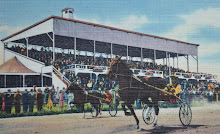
x,y
40,100
31,100
17,98
25,100
8,101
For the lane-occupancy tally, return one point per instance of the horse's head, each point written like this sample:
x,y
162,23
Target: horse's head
x,y
118,67
73,87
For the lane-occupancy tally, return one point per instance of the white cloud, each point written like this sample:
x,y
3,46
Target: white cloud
x,y
9,30
208,49
193,22
191,25
131,22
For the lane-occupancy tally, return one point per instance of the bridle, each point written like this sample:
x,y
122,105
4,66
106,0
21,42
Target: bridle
x,y
116,72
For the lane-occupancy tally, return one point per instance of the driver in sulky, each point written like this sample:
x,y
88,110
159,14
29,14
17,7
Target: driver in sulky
x,y
173,87
108,95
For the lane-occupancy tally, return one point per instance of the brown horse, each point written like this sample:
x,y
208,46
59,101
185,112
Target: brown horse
x,y
131,88
81,97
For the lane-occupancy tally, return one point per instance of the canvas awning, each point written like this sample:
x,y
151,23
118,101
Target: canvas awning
x,y
15,66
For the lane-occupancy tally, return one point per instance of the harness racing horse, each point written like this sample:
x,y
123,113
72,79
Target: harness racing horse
x,y
81,97
132,88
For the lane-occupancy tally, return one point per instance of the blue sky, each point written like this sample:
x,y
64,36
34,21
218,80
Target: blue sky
x,y
196,21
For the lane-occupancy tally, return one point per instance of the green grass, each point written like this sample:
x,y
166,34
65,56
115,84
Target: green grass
x,y
55,110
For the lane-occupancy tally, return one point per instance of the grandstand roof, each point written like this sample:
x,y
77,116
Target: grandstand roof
x,y
89,23
14,66
65,30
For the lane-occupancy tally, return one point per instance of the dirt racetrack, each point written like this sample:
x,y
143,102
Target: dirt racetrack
x,y
205,120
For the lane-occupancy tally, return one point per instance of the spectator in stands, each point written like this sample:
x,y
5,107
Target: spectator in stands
x,y
101,87
194,93
8,101
40,99
61,100
83,81
89,85
17,98
95,87
25,100
31,100
106,83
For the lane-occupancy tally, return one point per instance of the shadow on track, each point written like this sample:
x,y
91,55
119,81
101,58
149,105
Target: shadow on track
x,y
101,117
166,129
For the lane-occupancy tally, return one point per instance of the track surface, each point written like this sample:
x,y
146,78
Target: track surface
x,y
205,120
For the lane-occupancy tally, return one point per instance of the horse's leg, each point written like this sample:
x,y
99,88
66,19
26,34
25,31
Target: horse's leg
x,y
156,107
100,112
83,110
125,111
97,109
133,113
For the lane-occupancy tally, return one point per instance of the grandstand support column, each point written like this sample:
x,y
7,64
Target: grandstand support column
x,y
74,48
5,82
177,62
111,52
155,57
163,61
169,66
94,50
23,80
141,56
27,44
53,48
127,55
166,58
197,62
53,41
187,57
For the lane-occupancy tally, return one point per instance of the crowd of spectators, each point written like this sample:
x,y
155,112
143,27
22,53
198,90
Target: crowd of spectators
x,y
64,59
192,92
35,97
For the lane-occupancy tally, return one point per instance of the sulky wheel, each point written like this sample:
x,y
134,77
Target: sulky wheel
x,y
112,109
151,115
185,114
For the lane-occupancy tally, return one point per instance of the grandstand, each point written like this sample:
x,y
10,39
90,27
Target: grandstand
x,y
59,49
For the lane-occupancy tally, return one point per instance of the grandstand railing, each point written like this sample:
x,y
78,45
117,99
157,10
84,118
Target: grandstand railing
x,y
79,68
198,76
147,73
62,77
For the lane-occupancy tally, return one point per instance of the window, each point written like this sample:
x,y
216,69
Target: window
x,y
65,11
70,11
